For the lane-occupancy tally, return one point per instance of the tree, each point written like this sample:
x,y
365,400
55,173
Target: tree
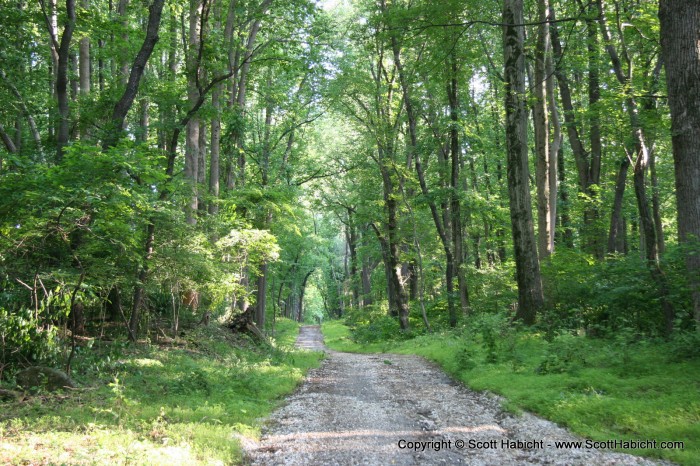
x,y
680,28
530,296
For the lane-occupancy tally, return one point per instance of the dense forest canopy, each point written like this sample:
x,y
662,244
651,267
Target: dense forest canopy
x,y
407,163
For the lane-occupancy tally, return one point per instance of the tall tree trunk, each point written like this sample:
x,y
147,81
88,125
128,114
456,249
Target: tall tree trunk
x,y
455,208
680,29
214,150
567,232
261,294
193,93
545,229
302,291
62,95
530,296
556,140
366,279
202,166
351,238
84,57
7,140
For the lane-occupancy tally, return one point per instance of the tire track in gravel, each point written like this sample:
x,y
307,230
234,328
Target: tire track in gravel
x,y
358,409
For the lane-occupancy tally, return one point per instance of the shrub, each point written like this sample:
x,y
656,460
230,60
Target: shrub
x,y
23,341
379,329
565,353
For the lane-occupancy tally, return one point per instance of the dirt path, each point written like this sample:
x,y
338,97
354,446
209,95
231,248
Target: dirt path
x,y
393,409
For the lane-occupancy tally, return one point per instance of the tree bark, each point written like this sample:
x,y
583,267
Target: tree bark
x,y
455,208
530,295
7,140
138,67
680,29
545,229
84,57
214,149
62,95
616,220
555,144
352,240
193,94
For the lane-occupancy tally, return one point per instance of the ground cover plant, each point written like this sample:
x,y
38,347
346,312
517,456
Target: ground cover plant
x,y
187,402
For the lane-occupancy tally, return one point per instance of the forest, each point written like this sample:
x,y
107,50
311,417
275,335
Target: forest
x,y
511,185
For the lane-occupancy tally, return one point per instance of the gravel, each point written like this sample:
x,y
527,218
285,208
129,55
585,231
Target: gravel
x,y
385,409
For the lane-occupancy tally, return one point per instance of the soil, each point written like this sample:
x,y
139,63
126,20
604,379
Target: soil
x,y
387,409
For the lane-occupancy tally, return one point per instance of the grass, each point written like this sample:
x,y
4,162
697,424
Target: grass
x,y
154,405
601,389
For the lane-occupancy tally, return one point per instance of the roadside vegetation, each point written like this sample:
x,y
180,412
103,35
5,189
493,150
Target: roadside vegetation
x,y
189,401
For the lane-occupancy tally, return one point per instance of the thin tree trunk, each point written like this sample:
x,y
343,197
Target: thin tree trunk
x,y
261,301
202,166
193,93
556,140
587,164
541,127
25,110
214,150
616,220
119,113
84,56
122,6
351,238
7,140
366,279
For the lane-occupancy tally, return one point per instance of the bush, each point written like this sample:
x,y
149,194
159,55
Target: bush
x,y
24,342
685,345
618,293
382,328
564,354
498,336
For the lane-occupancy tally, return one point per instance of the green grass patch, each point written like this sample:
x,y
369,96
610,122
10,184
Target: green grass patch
x,y
186,404
601,389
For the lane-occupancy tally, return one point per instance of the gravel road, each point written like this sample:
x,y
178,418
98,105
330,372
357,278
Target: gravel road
x,y
385,409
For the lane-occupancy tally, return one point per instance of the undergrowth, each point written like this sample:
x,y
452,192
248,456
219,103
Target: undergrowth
x,y
189,402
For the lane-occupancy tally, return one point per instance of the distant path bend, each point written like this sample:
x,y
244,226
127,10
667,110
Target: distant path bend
x,y
359,409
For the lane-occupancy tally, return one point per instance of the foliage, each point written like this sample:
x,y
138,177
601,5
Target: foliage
x,y
23,340
565,353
